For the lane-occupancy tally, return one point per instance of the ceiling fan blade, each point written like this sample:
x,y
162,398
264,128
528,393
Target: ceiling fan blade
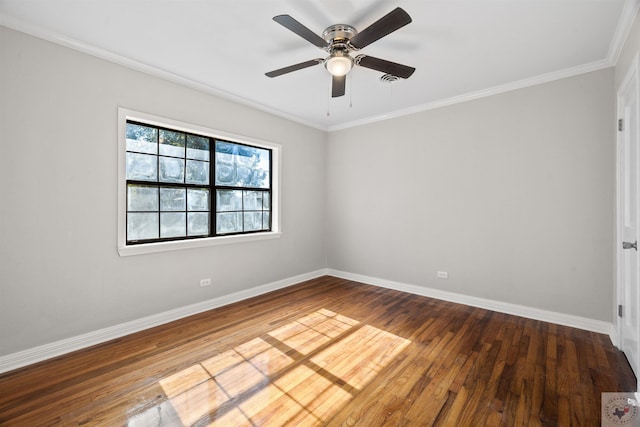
x,y
338,85
395,69
389,23
295,67
293,25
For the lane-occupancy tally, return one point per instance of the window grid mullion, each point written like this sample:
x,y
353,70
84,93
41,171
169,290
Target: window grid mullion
x,y
213,200
159,214
158,180
211,187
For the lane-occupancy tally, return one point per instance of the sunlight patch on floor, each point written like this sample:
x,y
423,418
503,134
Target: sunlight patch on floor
x,y
300,374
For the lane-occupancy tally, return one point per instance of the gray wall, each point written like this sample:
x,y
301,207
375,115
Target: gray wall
x,y
60,272
512,194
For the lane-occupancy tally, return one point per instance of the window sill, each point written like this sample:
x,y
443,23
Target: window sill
x,y
149,248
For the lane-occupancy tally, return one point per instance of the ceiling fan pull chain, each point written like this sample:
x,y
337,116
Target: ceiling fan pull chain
x,y
329,99
350,92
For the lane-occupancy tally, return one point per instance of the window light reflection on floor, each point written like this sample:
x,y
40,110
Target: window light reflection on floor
x,y
300,374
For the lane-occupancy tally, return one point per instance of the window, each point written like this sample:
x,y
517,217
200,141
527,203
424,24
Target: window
x,y
184,183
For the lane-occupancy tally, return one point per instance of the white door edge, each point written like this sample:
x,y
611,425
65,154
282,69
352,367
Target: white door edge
x,y
633,73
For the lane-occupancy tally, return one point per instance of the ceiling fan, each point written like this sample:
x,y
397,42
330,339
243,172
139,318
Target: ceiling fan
x,y
340,40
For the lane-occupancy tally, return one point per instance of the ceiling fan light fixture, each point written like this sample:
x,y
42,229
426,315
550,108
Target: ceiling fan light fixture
x,y
341,39
338,64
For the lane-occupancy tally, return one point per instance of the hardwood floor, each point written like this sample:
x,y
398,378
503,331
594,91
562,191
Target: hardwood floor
x,y
328,352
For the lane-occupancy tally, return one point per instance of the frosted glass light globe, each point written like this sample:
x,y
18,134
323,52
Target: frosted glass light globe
x,y
339,64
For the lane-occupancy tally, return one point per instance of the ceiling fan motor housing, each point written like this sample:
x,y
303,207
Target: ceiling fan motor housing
x,y
339,62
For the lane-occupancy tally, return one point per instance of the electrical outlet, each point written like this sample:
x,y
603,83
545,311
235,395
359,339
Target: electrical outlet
x,y
205,282
443,274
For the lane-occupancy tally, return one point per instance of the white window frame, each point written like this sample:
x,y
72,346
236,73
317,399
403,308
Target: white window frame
x,y
146,248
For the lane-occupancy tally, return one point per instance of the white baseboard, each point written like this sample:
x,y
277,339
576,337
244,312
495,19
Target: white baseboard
x,y
58,348
54,349
501,307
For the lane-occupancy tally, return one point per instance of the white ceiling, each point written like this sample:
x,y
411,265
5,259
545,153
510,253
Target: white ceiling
x,y
461,49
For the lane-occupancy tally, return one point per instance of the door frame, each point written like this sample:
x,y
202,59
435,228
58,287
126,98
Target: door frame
x,y
633,72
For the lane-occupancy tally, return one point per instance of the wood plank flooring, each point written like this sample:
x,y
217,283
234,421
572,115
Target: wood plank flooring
x,y
327,352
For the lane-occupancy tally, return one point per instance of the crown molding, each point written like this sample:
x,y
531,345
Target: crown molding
x,y
629,12
520,84
62,40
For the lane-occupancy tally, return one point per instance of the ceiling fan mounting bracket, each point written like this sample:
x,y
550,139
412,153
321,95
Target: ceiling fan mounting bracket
x,y
339,33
